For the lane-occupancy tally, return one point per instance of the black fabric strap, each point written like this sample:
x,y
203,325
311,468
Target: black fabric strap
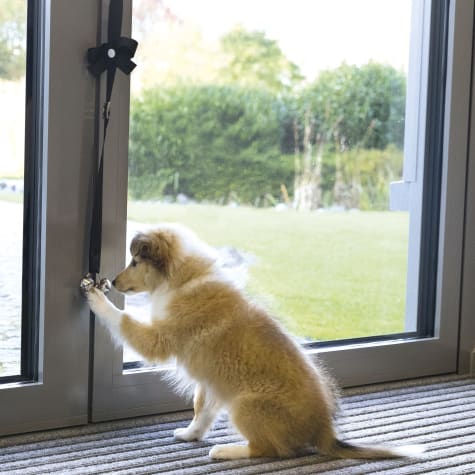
x,y
116,53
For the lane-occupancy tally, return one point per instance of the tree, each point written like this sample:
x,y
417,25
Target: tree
x,y
348,108
254,60
307,164
171,50
12,39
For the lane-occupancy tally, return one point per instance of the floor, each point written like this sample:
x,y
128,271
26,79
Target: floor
x,y
437,412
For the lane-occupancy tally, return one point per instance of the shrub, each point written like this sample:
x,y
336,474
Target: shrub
x,y
208,142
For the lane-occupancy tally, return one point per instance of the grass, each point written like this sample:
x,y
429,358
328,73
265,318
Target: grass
x,y
326,275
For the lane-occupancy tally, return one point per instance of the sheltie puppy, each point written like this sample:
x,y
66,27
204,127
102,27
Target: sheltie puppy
x,y
240,358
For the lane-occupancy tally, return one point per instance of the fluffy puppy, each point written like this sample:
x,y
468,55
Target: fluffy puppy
x,y
240,358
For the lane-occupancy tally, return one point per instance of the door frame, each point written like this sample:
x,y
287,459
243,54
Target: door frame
x,y
64,119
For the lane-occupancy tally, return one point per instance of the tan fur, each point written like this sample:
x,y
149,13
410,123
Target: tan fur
x,y
240,357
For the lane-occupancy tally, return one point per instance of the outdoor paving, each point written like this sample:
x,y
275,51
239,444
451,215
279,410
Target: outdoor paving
x,y
10,287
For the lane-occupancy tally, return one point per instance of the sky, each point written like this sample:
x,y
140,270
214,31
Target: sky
x,y
315,34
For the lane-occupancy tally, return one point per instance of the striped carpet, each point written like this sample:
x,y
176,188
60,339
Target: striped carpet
x,y
438,413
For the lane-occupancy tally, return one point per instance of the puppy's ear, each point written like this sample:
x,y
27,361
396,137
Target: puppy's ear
x,y
141,246
153,248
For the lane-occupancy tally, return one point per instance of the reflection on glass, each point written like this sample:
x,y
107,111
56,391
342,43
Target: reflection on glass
x,y
12,137
275,136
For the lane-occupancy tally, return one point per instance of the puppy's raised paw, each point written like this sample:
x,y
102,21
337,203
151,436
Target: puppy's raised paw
x,y
97,301
104,285
87,284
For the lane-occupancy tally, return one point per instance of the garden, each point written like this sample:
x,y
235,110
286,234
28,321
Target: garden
x,y
292,173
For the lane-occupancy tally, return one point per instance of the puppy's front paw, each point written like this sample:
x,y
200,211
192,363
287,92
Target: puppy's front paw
x,y
87,284
104,285
185,434
97,301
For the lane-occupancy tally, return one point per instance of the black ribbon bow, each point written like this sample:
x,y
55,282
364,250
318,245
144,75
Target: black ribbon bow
x,y
117,53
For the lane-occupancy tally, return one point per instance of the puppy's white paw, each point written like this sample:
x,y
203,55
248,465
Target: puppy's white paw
x,y
105,310
185,434
97,301
229,452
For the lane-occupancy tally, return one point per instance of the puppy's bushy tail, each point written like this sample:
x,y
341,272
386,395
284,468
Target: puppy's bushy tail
x,y
343,449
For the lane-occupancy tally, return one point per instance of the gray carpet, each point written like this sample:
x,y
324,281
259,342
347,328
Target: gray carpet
x,y
438,413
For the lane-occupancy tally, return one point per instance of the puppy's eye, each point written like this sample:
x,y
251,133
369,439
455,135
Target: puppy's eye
x,y
133,263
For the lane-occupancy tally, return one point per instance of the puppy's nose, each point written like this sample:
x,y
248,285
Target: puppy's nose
x,y
113,282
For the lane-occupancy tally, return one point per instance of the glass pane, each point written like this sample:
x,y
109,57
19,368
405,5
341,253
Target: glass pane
x,y
12,137
274,131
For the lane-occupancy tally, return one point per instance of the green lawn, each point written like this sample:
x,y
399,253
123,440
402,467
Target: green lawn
x,y
325,275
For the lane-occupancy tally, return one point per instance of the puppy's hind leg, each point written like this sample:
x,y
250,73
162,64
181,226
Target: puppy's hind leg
x,y
235,451
206,409
259,420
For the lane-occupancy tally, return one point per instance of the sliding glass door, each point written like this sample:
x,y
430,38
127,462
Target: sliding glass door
x,y
324,178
